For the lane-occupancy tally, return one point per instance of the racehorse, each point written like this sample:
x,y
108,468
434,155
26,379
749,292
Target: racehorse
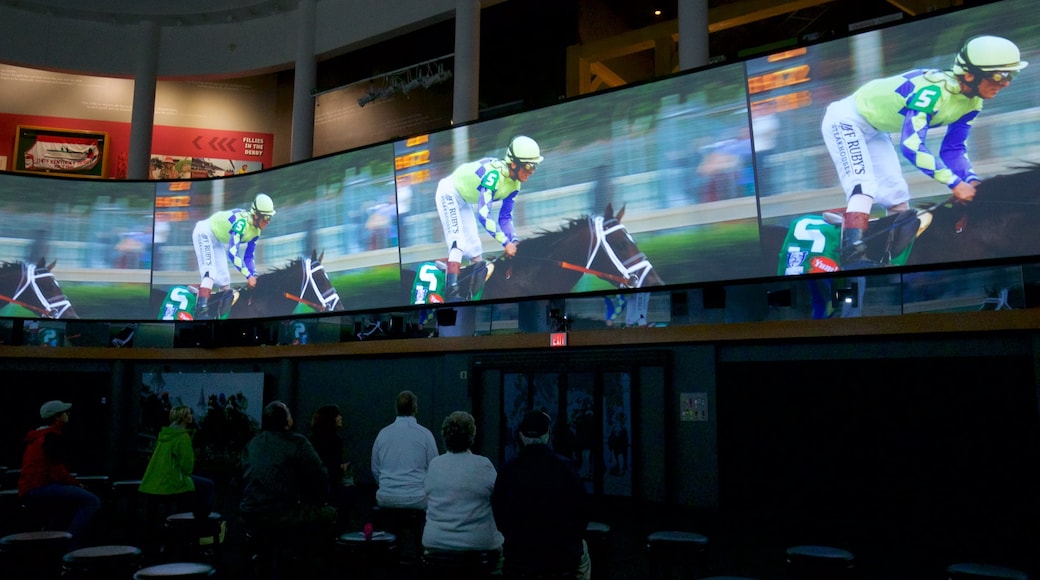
x,y
553,261
278,292
999,223
33,287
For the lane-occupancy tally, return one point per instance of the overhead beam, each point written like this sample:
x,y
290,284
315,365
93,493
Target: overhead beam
x,y
748,11
918,7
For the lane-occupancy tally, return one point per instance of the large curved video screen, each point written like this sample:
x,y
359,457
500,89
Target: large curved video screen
x,y
724,174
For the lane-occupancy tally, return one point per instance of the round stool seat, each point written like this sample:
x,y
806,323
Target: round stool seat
x,y
186,524
673,551
686,539
597,528
819,562
972,570
821,555
98,553
189,519
102,562
176,570
357,541
33,541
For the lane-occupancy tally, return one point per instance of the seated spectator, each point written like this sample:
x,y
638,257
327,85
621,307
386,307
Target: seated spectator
x,y
401,454
45,480
458,492
540,505
170,469
284,483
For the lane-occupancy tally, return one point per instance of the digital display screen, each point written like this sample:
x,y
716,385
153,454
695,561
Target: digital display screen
x,y
900,126
724,174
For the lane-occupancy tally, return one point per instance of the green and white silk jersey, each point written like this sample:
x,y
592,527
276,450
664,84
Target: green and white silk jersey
x,y
234,229
915,101
812,246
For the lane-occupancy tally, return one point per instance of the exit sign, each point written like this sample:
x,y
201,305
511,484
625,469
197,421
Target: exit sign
x,y
558,339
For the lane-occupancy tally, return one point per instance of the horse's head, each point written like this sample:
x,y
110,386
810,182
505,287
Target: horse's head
x,y
612,244
40,292
316,281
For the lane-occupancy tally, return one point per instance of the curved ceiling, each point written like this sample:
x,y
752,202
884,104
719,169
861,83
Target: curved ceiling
x,y
183,12
212,38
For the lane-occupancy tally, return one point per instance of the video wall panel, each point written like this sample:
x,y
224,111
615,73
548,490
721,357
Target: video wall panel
x,y
720,175
330,246
75,248
799,189
669,161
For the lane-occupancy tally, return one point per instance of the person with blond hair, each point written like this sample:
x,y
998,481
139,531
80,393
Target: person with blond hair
x,y
171,469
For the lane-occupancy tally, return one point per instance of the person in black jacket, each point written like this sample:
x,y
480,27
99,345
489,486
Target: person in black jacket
x,y
325,426
541,507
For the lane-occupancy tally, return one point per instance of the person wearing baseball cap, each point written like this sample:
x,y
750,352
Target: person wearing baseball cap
x,y
45,481
540,506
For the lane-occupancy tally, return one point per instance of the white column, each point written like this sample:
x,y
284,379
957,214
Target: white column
x,y
466,103
303,82
693,34
142,117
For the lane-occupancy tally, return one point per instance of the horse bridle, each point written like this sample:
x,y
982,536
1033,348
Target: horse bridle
x,y
30,275
633,271
328,299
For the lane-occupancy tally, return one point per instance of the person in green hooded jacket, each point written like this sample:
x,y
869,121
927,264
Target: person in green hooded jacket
x,y
169,471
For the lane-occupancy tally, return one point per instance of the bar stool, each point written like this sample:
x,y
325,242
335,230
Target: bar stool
x,y
101,562
370,556
15,516
9,479
175,570
125,508
460,564
675,554
819,563
975,571
407,525
597,536
34,554
188,537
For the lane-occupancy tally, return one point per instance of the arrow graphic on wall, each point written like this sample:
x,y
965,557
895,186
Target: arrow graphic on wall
x,y
216,143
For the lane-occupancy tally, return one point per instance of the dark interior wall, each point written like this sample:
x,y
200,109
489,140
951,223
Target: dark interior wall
x,y
365,390
934,456
850,434
694,442
87,389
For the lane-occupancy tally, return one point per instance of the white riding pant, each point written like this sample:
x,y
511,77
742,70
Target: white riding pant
x,y
863,155
209,253
458,220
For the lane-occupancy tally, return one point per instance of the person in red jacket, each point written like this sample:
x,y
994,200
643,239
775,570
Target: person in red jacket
x,y
45,481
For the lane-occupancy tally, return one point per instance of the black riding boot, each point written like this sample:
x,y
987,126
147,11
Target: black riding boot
x,y
452,291
853,248
202,307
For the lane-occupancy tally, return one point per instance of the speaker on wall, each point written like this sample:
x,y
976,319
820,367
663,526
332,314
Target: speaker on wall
x,y
714,297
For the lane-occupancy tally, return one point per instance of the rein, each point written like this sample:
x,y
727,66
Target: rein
x,y
633,271
35,309
918,212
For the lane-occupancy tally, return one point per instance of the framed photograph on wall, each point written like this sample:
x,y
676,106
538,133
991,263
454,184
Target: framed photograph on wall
x,y
60,151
